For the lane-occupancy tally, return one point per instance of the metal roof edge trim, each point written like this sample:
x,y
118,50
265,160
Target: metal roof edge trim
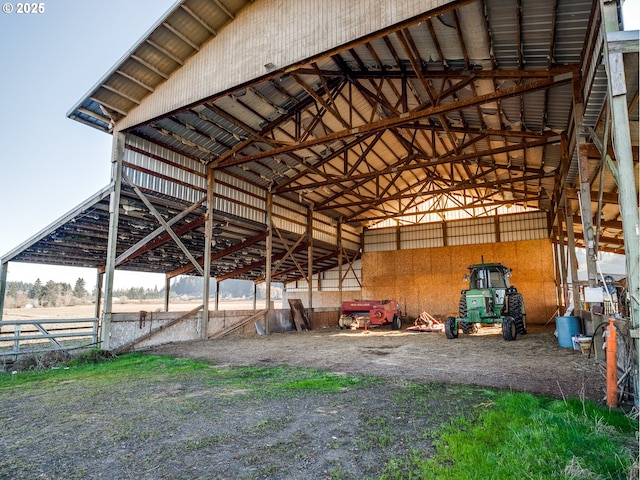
x,y
88,203
124,57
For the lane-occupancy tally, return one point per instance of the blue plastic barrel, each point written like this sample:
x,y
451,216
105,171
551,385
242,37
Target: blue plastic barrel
x,y
567,328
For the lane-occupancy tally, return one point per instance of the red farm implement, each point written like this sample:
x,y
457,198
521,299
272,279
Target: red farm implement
x,y
370,313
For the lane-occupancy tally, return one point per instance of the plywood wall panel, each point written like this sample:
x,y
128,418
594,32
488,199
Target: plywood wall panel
x,y
436,279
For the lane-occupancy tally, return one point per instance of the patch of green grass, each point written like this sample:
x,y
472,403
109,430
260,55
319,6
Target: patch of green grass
x,y
520,435
131,366
377,432
284,381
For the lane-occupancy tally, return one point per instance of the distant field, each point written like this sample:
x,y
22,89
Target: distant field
x,y
87,311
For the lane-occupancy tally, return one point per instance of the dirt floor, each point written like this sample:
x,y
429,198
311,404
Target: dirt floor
x,y
198,427
533,363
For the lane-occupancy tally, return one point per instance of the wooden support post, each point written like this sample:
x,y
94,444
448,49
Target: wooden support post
x,y
339,242
584,196
255,295
562,259
556,268
112,243
268,253
445,235
614,65
310,261
216,298
208,240
167,292
575,287
99,282
3,285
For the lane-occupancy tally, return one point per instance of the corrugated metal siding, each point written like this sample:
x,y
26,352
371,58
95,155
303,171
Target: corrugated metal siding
x,y
527,226
324,229
289,216
421,236
233,196
513,227
351,237
380,239
239,198
165,178
329,280
470,232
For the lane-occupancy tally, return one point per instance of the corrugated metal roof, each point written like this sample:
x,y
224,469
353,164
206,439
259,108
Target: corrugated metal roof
x,y
178,35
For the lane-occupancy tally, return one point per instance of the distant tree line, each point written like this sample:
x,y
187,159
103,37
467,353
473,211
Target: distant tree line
x,y
232,288
50,294
55,294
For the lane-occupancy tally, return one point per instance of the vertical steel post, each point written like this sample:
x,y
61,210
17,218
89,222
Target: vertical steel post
x,y
114,216
216,298
208,239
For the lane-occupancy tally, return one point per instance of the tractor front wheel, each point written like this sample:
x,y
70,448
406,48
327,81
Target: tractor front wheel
x,y
450,328
396,323
509,331
468,327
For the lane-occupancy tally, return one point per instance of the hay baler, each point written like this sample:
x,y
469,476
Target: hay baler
x,y
365,313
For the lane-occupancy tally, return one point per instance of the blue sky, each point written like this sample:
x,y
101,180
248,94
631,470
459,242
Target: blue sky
x,y
49,163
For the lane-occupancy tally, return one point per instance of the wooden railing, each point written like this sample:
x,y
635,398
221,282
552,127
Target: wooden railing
x,y
19,337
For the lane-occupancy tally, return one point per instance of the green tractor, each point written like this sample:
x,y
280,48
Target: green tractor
x,y
489,299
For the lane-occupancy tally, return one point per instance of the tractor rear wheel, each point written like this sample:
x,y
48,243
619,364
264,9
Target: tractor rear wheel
x,y
517,311
462,310
509,331
450,329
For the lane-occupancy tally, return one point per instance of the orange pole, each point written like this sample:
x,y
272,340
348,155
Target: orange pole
x,y
612,366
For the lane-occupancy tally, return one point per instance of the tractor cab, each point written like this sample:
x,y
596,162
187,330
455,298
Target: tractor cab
x,y
490,275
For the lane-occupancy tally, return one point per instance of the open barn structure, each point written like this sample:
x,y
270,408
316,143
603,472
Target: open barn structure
x,y
370,148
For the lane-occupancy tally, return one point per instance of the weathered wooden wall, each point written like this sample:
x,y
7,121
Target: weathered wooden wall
x,y
432,278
